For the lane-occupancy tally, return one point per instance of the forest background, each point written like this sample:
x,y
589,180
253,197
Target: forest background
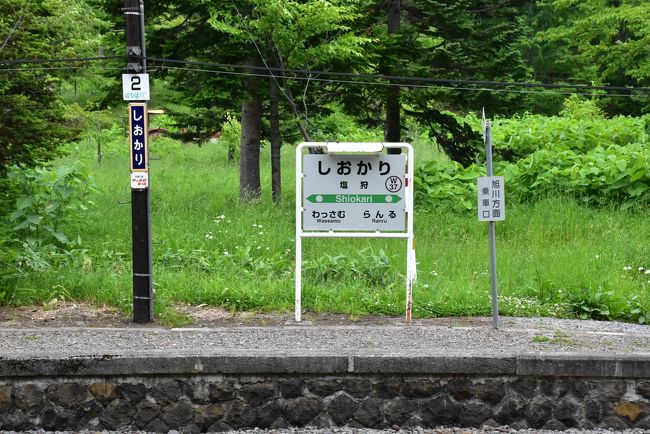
x,y
564,81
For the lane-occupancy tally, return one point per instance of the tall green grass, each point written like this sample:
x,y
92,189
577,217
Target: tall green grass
x,y
555,257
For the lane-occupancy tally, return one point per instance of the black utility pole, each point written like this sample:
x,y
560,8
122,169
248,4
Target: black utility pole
x,y
140,198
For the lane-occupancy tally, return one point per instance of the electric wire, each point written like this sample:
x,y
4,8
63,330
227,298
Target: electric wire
x,y
399,79
296,72
59,60
431,83
414,86
349,82
59,68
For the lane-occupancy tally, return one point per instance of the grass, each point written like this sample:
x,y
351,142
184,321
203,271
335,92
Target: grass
x,y
558,337
555,257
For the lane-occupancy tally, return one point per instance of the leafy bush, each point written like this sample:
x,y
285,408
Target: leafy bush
x,y
596,160
636,310
586,303
231,136
109,140
446,183
33,240
46,199
602,176
339,127
370,267
618,175
579,129
9,269
577,107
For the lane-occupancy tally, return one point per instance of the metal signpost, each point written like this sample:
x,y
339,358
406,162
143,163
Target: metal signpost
x,y
354,190
491,208
136,88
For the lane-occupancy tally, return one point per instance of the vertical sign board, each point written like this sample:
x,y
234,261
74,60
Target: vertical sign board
x,y
491,199
354,192
138,132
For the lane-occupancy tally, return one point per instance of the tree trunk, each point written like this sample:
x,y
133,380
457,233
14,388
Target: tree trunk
x,y
251,131
393,131
276,141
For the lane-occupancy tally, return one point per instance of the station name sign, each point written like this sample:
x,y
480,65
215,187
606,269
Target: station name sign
x,y
344,192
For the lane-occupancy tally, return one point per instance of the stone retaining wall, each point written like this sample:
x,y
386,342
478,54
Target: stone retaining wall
x,y
199,403
194,393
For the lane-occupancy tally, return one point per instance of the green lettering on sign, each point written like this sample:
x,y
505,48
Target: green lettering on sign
x,y
353,198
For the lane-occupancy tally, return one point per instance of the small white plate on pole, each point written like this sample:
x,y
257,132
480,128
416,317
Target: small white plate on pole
x,y
135,87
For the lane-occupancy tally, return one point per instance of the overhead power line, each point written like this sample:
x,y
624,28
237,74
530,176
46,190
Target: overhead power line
x,y
57,68
58,60
356,78
402,80
412,86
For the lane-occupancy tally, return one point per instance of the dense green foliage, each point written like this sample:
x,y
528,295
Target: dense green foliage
x,y
581,154
209,248
577,167
578,128
46,201
34,121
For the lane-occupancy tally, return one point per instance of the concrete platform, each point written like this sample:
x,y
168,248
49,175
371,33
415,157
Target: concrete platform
x,y
530,373
521,346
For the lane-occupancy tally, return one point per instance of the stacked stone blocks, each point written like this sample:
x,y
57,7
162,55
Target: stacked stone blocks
x,y
211,403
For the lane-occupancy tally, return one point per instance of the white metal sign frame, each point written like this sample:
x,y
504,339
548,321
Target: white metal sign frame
x,y
356,148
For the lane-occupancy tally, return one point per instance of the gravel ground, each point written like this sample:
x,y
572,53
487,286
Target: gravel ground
x,y
442,336
78,328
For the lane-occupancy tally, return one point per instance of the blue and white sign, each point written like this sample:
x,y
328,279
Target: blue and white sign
x,y
138,133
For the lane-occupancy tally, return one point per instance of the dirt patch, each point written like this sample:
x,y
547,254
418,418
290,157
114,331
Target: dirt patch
x,y
82,314
62,314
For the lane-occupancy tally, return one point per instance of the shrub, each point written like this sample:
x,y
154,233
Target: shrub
x,y
603,176
447,183
46,199
33,239
579,129
230,137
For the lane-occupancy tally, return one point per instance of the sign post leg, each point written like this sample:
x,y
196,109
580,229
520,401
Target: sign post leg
x,y
492,230
299,210
409,279
493,274
142,268
298,297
